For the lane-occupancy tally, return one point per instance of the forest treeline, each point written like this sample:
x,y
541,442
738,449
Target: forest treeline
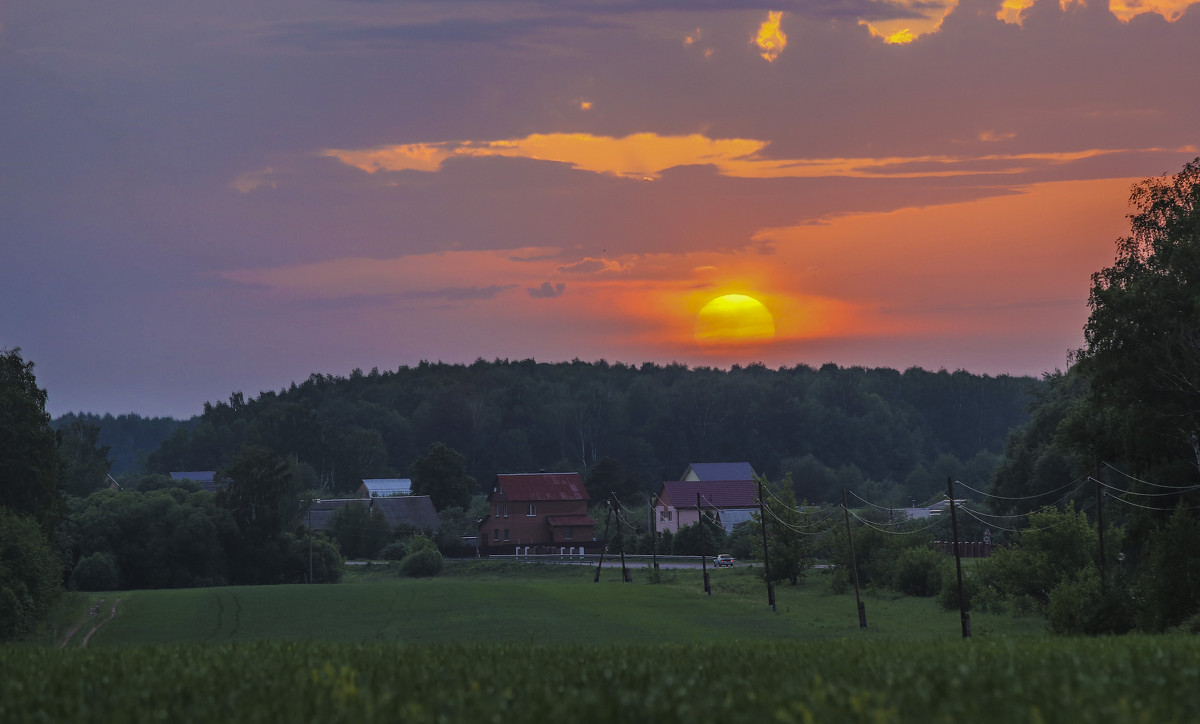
x,y
889,434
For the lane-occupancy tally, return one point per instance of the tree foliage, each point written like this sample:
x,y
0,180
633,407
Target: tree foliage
x,y
83,459
789,532
441,474
360,531
30,574
866,425
1142,353
29,465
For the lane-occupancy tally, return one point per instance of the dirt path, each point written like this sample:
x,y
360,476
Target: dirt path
x,y
112,613
93,610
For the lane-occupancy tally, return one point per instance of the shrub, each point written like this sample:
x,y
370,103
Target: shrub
x,y
948,597
30,574
1081,606
394,551
422,563
97,572
919,572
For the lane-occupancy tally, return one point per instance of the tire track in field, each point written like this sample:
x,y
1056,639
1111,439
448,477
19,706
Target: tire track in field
x,y
237,615
220,616
111,615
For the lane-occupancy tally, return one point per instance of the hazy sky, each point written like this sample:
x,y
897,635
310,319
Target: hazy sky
x,y
198,198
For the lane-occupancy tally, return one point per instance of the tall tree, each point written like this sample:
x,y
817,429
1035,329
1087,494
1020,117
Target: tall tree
x,y
84,460
262,492
442,475
789,532
1142,353
29,466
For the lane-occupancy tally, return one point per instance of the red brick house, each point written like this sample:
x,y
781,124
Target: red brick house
x,y
536,513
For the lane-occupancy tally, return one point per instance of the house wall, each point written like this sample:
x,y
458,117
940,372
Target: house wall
x,y
511,519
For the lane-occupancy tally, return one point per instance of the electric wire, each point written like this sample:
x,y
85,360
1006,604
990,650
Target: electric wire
x,y
1179,491
1076,481
1147,482
873,526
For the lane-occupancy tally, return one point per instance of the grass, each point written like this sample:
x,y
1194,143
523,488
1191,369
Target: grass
x,y
510,602
516,642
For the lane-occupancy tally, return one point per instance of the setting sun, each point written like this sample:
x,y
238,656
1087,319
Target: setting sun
x,y
734,318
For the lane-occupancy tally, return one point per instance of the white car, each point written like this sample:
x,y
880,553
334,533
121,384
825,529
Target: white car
x,y
723,560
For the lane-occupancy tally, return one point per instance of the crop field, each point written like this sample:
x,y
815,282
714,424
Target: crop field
x,y
522,644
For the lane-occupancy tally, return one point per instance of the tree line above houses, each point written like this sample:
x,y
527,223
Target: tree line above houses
x,y
625,428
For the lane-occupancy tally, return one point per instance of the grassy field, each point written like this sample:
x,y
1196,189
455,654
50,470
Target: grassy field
x,y
520,603
531,643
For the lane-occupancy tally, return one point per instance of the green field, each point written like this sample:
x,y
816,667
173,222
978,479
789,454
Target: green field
x,y
521,603
519,643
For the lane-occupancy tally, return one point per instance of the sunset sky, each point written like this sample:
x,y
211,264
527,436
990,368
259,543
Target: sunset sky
x,y
198,198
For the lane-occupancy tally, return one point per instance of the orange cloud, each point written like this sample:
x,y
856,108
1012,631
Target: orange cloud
x,y
771,39
647,155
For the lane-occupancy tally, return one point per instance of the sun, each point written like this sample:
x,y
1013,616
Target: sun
x,y
734,318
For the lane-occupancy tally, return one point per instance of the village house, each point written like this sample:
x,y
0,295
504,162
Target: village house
x,y
536,513
725,492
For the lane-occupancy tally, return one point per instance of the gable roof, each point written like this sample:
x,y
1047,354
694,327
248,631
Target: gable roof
x,y
413,510
541,486
719,471
382,487
715,493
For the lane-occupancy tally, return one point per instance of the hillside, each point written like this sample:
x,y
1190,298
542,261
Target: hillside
x,y
894,434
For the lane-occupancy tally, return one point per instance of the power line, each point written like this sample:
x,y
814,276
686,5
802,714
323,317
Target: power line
x,y
1076,481
1147,482
1179,491
873,526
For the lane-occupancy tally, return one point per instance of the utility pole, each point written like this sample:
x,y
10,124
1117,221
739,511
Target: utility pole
x,y
762,517
625,577
862,609
653,536
962,602
703,532
1100,527
310,567
600,564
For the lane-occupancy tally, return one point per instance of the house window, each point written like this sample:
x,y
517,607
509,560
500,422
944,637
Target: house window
x,y
532,509
505,508
669,514
506,534
496,535
568,534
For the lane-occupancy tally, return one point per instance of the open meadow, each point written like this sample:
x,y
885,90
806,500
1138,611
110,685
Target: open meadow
x,y
514,642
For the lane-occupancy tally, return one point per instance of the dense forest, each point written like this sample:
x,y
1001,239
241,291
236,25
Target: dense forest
x,y
129,438
895,435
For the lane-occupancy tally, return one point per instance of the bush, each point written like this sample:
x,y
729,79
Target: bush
x,y
97,572
919,572
422,563
948,597
394,551
1082,606
30,574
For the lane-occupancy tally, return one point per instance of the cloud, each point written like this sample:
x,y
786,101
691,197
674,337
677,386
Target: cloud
x,y
771,39
648,155
591,265
547,291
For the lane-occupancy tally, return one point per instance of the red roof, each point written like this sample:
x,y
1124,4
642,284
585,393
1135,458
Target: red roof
x,y
714,493
542,486
563,521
